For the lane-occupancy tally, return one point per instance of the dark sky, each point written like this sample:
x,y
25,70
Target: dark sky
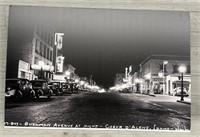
x,y
103,42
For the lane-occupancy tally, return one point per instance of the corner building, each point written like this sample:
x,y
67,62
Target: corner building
x,y
155,81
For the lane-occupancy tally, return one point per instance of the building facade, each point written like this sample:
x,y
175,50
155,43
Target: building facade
x,y
30,55
159,74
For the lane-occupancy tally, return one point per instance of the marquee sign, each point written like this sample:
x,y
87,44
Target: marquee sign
x,y
43,68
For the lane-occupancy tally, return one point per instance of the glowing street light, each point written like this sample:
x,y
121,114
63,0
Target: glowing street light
x,y
76,80
67,73
182,69
82,82
148,76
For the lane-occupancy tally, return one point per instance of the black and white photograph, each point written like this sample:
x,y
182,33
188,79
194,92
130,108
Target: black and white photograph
x,y
111,69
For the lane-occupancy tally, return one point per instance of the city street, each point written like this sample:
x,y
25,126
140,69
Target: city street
x,y
100,110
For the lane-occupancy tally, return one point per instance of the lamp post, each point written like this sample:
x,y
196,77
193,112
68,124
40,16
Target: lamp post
x,y
67,73
182,69
164,63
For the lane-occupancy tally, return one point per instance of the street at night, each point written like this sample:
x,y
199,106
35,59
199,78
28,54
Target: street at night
x,y
101,110
102,69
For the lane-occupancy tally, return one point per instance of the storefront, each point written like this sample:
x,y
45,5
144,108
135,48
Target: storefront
x,y
24,70
173,82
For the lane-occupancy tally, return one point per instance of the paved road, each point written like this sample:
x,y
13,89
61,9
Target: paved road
x,y
99,110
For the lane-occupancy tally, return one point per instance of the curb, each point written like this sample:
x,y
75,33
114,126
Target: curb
x,y
150,95
188,103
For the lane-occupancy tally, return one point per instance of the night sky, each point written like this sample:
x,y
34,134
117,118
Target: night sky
x,y
101,42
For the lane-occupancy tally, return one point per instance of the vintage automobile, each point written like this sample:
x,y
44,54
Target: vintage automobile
x,y
66,88
74,88
41,88
177,92
56,88
19,88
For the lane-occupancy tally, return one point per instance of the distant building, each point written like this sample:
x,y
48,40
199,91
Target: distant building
x,y
84,79
118,80
29,50
150,76
71,69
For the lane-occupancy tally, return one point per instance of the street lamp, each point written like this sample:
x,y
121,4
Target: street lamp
x,y
82,82
164,63
67,73
182,69
76,80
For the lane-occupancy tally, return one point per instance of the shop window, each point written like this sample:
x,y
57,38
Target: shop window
x,y
23,74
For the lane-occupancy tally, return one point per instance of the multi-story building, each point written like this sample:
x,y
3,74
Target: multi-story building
x,y
30,53
159,73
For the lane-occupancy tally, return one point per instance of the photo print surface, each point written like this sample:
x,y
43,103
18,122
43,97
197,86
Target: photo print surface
x,y
98,69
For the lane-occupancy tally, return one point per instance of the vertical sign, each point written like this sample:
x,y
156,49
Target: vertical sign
x,y
59,40
59,64
59,57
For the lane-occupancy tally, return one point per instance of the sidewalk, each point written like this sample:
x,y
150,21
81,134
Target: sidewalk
x,y
168,102
167,98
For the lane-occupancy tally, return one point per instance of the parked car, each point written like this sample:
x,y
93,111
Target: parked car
x,y
56,88
74,88
66,88
41,88
177,92
19,88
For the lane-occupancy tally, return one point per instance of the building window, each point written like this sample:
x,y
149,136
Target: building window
x,y
37,46
51,55
41,45
175,68
48,53
45,52
49,39
36,60
188,69
165,67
